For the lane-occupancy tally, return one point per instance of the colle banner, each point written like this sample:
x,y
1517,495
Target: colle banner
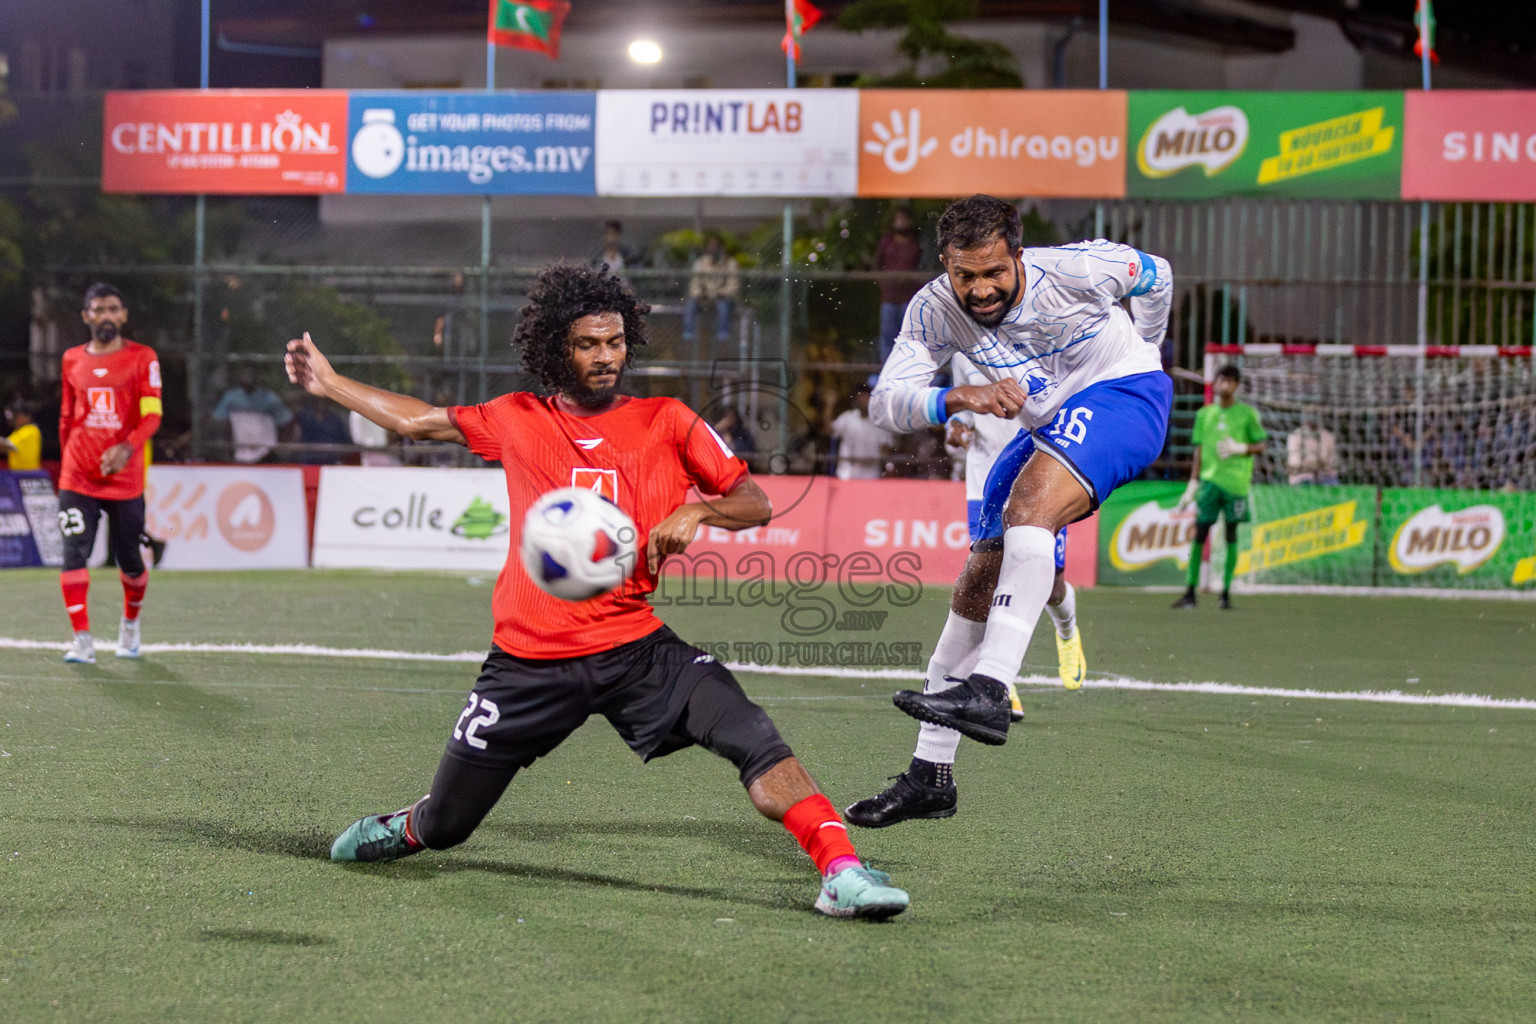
x,y
399,518
224,141
1470,146
931,142
712,142
441,143
1336,145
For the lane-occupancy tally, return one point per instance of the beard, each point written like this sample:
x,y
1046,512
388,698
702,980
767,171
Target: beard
x,y
106,333
594,399
993,320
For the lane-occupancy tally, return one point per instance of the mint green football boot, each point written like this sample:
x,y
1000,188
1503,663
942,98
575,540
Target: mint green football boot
x,y
378,837
861,892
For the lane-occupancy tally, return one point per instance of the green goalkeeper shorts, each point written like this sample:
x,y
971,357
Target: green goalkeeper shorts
x,y
1213,502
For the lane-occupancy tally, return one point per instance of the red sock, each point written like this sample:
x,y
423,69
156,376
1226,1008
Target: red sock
x,y
133,592
76,583
815,824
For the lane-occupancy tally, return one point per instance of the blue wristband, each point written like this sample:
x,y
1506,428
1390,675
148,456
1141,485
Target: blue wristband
x,y
936,413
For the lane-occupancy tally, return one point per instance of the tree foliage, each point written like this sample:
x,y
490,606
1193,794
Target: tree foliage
x,y
936,58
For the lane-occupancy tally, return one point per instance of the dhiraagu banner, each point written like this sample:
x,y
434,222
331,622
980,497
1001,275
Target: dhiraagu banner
x,y
1332,145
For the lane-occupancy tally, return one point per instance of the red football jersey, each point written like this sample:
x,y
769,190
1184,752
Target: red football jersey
x,y
106,397
643,454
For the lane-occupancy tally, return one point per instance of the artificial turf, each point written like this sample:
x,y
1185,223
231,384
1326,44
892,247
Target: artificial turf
x,y
1129,855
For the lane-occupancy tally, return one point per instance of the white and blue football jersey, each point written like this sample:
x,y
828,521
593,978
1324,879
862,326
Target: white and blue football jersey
x,y
1067,331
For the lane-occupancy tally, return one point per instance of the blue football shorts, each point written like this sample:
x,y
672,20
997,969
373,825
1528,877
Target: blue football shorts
x,y
1104,435
973,519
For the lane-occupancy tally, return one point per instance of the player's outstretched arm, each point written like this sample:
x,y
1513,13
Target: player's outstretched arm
x,y
744,506
409,417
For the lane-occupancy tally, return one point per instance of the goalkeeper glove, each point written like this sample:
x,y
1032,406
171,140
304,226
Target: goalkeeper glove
x,y
1228,447
1188,497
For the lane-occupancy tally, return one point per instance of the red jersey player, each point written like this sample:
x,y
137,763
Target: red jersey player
x,y
110,408
555,663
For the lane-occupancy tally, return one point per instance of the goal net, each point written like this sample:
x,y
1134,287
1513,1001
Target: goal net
x,y
1461,417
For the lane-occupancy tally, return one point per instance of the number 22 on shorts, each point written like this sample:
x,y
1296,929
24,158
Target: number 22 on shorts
x,y
1072,425
490,715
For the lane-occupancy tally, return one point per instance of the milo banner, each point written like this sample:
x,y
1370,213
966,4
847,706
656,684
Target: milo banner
x,y
1479,540
1329,145
1143,542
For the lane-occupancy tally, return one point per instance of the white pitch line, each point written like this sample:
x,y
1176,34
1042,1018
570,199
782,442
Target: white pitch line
x,y
1457,700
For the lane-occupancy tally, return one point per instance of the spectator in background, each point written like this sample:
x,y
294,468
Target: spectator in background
x,y
23,445
861,446
733,428
1311,455
614,252
899,250
254,414
320,423
716,281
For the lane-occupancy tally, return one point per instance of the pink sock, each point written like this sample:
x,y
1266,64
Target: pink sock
x,y
842,864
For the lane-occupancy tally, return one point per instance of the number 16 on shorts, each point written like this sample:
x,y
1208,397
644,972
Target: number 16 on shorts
x,y
1071,425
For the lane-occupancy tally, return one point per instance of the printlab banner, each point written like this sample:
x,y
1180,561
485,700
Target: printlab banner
x,y
227,517
29,520
933,142
1333,145
402,518
709,142
232,141
442,143
1470,146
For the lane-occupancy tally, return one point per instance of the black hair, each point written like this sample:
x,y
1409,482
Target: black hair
x,y
1231,370
101,290
563,294
615,225
22,407
977,220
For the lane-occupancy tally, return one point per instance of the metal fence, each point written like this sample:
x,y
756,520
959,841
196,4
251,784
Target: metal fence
x,y
1245,272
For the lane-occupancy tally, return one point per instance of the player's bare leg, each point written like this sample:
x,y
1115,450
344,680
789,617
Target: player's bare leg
x,y
1045,497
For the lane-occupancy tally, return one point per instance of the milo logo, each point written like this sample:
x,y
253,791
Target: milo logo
x,y
1179,139
1151,534
1432,536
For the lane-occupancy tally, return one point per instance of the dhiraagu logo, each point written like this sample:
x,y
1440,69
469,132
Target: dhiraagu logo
x,y
480,521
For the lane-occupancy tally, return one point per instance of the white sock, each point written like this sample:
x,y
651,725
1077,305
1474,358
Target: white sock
x,y
1024,584
954,658
1064,615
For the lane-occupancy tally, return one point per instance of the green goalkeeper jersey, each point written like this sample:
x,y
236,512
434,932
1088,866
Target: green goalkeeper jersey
x,y
1239,422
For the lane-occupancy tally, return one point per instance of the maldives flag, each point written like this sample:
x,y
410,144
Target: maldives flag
x,y
799,17
528,24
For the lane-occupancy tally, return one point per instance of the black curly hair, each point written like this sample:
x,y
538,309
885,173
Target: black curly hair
x,y
563,294
978,220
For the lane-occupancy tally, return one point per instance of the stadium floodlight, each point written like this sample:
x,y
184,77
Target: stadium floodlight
x,y
643,51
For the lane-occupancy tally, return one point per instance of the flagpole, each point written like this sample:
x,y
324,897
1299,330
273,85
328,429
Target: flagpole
x,y
1425,42
785,257
485,238
199,253
1098,207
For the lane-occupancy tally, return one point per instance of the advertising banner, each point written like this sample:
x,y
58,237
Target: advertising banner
x,y
1326,145
29,520
257,142
228,517
1143,542
713,142
1311,535
403,518
442,143
931,142
1470,146
1458,539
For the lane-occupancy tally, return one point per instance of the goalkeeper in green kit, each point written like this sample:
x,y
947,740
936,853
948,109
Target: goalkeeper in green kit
x,y
1227,436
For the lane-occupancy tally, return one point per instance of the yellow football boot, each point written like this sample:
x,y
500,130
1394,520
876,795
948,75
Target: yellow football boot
x,y
1073,665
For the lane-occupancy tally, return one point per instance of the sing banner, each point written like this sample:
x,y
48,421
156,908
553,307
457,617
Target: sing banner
x,y
1326,145
443,143
711,142
1470,146
930,142
235,141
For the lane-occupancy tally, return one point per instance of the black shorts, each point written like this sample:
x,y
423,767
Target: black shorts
x,y
80,515
659,693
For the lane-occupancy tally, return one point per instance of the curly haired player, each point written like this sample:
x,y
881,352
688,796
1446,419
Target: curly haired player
x,y
554,663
